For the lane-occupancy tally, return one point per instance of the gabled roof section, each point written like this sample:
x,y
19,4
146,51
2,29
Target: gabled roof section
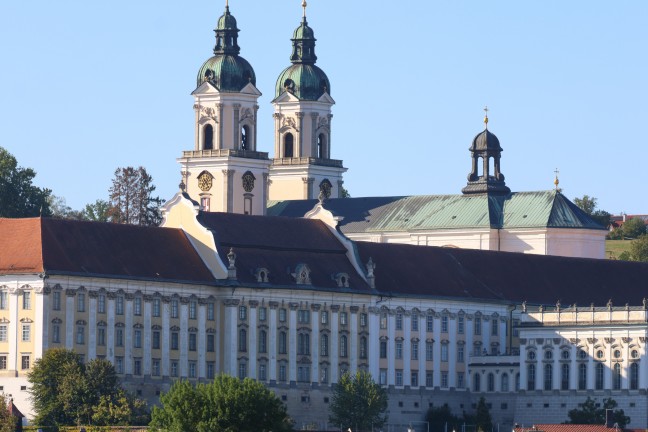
x,y
503,276
279,244
544,209
59,246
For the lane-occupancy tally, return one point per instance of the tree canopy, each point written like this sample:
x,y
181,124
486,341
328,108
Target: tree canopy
x,y
18,196
358,403
439,417
589,205
7,420
588,413
226,404
633,228
131,198
66,392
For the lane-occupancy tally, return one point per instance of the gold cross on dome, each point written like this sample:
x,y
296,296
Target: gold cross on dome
x,y
486,116
556,181
304,4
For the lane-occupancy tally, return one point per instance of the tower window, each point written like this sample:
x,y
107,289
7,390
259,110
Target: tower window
x,y
289,142
204,203
208,137
245,142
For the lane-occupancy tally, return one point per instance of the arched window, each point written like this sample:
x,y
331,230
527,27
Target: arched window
x,y
582,376
245,138
599,376
289,142
242,342
263,341
477,382
363,347
208,137
634,376
548,376
505,382
343,346
564,376
616,377
282,345
321,146
324,345
491,382
531,377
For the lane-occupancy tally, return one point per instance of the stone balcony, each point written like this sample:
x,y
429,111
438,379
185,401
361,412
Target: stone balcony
x,y
307,161
248,154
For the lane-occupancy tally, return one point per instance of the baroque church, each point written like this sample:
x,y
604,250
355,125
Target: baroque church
x,y
262,269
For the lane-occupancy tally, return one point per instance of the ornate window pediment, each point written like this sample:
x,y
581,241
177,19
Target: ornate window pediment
x,y
261,274
302,274
342,280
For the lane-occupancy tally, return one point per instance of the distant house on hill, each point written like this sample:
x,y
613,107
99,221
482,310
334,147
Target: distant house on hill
x,y
618,220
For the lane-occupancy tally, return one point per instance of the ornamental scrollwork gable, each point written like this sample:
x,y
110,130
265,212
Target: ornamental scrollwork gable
x,y
288,123
302,274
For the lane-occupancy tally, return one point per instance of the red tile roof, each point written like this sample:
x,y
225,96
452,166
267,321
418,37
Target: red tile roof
x,y
572,428
38,245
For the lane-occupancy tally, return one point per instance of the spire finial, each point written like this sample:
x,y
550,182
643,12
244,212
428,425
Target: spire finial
x,y
304,4
486,116
556,181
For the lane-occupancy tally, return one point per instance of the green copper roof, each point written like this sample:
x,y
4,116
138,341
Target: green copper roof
x,y
305,82
227,21
544,209
228,73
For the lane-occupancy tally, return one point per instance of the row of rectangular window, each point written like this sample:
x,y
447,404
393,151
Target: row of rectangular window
x,y
599,376
137,306
25,332
414,378
429,320
303,316
24,362
429,351
26,300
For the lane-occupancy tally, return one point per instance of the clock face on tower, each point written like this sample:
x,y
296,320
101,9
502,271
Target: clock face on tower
x,y
248,181
205,181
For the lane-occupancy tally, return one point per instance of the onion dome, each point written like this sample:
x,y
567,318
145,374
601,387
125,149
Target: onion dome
x,y
303,79
226,70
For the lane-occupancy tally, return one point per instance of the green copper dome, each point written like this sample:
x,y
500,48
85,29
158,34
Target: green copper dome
x,y
303,79
226,70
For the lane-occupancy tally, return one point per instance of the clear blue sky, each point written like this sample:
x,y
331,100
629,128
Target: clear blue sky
x,y
89,86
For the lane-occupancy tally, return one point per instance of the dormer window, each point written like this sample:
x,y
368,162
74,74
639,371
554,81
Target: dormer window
x,y
302,274
261,275
342,280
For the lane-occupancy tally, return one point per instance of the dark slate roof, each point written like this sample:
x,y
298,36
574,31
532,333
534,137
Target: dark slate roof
x,y
279,244
84,248
548,209
512,277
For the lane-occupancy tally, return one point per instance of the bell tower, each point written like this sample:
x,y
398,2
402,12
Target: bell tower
x,y
225,172
302,167
485,175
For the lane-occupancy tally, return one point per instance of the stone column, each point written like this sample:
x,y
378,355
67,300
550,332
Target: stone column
x,y
374,343
110,329
315,335
557,372
407,349
147,335
422,361
573,368
252,337
292,342
202,336
128,334
354,352
502,336
184,337
166,336
313,151
256,116
92,325
469,347
452,351
278,144
436,375
236,129
230,333
272,342
41,326
300,147
523,366
266,193
335,343
391,349
219,144
308,187
69,318
14,328
228,190
327,152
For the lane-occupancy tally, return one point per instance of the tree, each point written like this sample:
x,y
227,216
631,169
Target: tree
x,y
344,193
7,420
226,404
131,199
638,250
588,413
483,419
358,402
633,228
439,417
589,205
18,196
98,211
66,392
